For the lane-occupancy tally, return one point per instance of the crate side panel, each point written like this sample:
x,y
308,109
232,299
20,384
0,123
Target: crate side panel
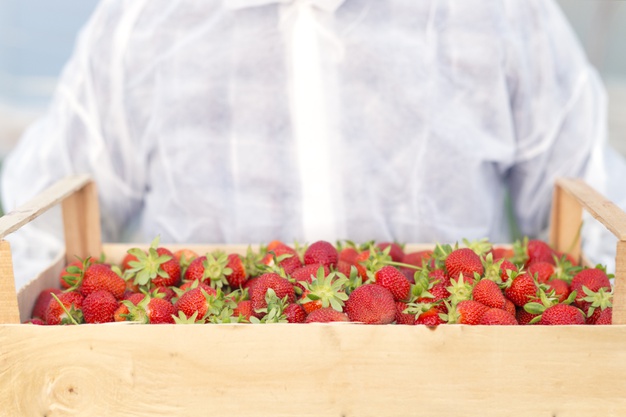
x,y
307,370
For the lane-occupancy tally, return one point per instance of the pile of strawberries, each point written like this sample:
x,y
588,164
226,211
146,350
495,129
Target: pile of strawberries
x,y
373,283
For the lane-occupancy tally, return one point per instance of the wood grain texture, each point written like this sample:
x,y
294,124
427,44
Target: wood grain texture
x,y
570,197
8,297
81,223
565,221
603,210
49,278
619,291
312,370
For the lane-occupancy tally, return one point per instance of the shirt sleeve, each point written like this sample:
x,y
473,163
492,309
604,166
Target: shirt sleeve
x,y
559,112
82,132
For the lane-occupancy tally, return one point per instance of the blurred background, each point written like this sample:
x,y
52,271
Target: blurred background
x,y
37,37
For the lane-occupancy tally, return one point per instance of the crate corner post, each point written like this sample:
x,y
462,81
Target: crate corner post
x,y
9,312
81,222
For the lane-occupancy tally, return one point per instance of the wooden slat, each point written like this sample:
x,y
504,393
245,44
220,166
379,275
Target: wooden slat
x,y
605,211
81,222
49,278
9,312
570,197
81,219
565,223
52,196
619,291
313,370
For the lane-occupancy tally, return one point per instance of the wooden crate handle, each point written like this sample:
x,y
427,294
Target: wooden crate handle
x,y
570,197
81,223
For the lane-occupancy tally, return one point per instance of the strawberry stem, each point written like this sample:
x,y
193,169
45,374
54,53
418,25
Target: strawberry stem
x,y
64,309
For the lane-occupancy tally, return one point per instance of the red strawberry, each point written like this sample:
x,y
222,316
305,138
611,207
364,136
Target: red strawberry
x,y
122,309
401,316
309,306
430,318
505,268
562,314
128,258
595,302
274,244
371,304
488,293
465,261
42,302
560,287
307,273
35,321
195,300
191,284
539,251
238,276
541,270
166,293
289,259
420,258
295,313
521,290
466,312
171,268
324,291
593,279
496,316
281,287
395,251
501,253
321,252
438,275
244,309
569,258
70,276
195,270
185,256
152,310
344,267
326,315
509,306
99,307
524,317
213,269
102,277
360,262
72,302
158,266
348,254
439,293
392,279
605,317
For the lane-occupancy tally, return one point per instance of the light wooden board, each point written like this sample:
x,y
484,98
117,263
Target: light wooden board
x,y
570,197
81,223
603,210
8,297
312,370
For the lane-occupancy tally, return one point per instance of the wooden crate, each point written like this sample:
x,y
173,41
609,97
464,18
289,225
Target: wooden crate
x,y
336,369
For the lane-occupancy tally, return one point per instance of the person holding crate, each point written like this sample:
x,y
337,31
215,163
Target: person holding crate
x,y
251,120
